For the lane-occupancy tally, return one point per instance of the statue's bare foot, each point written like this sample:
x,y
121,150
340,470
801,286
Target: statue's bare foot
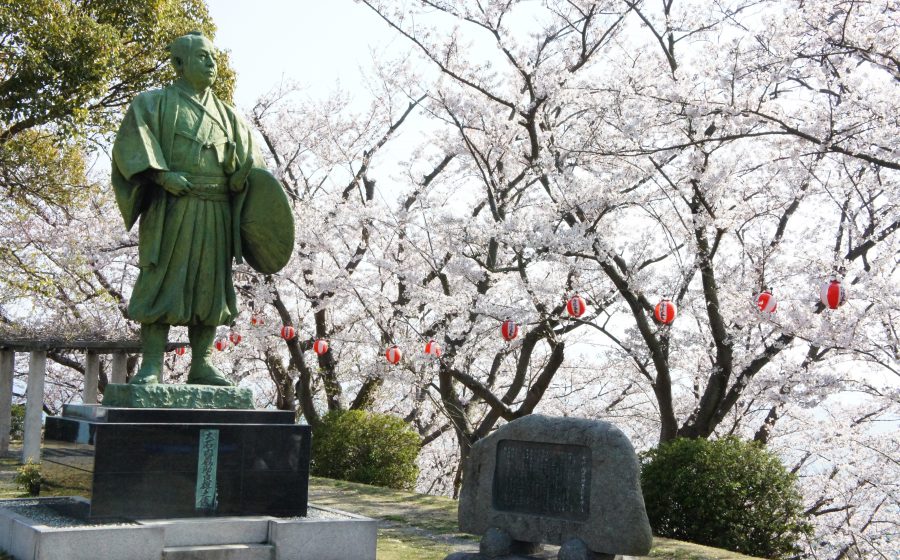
x,y
207,374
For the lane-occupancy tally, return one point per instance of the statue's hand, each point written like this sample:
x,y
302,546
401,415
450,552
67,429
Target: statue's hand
x,y
173,182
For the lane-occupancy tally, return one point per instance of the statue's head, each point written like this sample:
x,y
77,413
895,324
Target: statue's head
x,y
193,57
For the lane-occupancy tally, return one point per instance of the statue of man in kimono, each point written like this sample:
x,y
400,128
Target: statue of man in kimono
x,y
181,162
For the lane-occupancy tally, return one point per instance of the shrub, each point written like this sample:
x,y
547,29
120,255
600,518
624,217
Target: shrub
x,y
726,493
17,421
365,447
29,478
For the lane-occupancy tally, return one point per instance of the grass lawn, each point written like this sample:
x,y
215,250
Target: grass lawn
x,y
411,526
422,527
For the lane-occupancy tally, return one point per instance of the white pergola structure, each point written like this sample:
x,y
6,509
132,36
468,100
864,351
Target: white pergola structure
x,y
37,368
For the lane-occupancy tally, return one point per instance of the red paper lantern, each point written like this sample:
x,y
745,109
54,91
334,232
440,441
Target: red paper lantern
x,y
288,332
432,348
256,321
576,306
320,346
765,301
665,312
235,337
180,351
833,294
509,330
221,344
393,355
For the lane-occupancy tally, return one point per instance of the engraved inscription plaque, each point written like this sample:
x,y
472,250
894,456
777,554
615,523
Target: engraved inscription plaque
x,y
547,479
207,465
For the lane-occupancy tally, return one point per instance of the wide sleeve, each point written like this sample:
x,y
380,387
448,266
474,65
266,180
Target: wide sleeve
x,y
136,150
137,146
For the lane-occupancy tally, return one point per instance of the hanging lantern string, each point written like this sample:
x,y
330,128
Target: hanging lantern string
x,y
576,306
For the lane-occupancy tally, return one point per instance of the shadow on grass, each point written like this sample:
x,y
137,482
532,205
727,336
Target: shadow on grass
x,y
64,481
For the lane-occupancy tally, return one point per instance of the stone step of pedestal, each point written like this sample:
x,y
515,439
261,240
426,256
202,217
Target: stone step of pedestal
x,y
212,531
220,552
40,529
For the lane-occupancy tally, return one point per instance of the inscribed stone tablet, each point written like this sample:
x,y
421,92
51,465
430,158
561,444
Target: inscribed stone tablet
x,y
547,479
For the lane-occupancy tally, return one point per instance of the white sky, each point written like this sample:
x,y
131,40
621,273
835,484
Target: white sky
x,y
316,43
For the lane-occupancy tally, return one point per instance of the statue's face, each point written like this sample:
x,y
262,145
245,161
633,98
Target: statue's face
x,y
199,67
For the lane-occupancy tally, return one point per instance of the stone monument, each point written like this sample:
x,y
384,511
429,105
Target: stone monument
x,y
160,458
184,163
561,481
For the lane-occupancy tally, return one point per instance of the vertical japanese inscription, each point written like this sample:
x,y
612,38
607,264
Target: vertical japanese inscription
x,y
547,479
207,463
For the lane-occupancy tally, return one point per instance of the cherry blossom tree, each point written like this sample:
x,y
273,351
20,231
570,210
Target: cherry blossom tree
x,y
625,151
701,153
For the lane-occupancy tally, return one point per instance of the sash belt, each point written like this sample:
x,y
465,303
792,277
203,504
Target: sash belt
x,y
214,189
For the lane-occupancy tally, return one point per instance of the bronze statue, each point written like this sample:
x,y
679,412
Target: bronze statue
x,y
186,164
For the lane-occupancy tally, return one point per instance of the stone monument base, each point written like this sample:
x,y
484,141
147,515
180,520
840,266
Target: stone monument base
x,y
497,545
30,529
173,463
477,556
160,395
545,555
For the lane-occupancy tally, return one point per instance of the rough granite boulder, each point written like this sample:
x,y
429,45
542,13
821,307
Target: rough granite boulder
x,y
557,481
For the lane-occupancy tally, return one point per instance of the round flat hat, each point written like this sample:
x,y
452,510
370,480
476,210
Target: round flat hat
x,y
267,223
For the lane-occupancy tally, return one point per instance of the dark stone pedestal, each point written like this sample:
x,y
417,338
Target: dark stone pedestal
x,y
155,463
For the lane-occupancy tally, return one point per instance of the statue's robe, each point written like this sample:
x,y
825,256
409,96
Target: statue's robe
x,y
186,243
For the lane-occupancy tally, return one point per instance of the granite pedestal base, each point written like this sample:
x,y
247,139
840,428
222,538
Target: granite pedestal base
x,y
29,532
171,463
